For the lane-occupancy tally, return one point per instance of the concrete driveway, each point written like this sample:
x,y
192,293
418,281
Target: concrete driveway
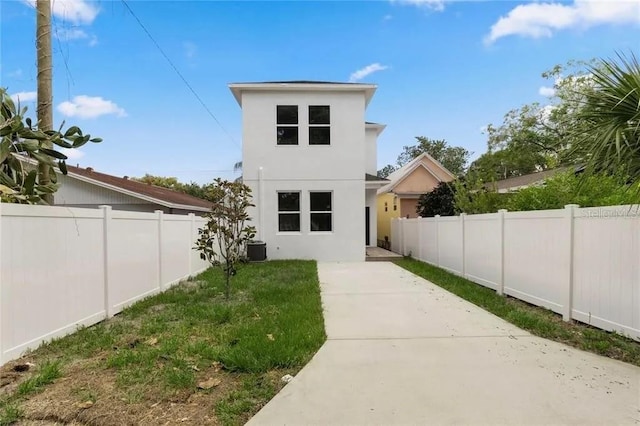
x,y
401,350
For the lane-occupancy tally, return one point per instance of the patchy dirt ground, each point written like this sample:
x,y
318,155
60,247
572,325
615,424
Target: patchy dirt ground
x,y
185,356
87,394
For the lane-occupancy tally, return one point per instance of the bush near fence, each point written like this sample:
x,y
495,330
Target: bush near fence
x,y
579,262
61,268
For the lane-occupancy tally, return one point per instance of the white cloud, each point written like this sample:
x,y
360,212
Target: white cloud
x,y
547,91
90,107
71,34
437,5
387,17
538,20
363,72
72,154
76,11
68,34
23,97
15,74
190,49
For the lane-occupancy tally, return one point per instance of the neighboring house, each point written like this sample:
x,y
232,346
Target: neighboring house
x,y
519,182
85,187
399,197
309,158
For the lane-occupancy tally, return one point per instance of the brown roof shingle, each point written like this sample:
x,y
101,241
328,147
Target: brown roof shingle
x,y
524,180
157,192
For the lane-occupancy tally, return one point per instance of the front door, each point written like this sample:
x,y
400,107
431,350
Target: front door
x,y
366,226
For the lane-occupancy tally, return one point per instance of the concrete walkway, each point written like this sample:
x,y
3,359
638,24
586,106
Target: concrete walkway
x,y
402,351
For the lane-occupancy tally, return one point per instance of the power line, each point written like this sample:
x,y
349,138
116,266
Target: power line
x,y
184,80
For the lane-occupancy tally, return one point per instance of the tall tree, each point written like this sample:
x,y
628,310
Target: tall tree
x,y
386,171
454,158
191,188
537,137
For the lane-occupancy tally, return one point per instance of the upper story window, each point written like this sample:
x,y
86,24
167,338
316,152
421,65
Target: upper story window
x,y
319,121
287,120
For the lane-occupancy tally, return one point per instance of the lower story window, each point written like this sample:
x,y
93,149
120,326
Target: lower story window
x,y
288,211
321,211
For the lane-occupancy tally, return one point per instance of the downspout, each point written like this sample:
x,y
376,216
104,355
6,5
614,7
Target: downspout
x,y
259,233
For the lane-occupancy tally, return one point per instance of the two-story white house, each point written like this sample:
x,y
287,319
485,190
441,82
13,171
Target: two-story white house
x,y
310,160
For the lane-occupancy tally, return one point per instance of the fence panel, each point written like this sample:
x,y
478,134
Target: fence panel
x,y
483,249
396,243
450,243
606,282
537,258
429,238
582,263
176,248
61,267
411,246
134,264
51,274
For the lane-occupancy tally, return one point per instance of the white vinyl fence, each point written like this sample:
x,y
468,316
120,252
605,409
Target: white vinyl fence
x,y
61,267
583,263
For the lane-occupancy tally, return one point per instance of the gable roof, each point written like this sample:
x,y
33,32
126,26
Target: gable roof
x,y
155,194
403,172
302,85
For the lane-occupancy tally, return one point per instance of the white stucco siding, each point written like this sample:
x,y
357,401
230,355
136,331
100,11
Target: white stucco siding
x,y
371,154
346,241
341,160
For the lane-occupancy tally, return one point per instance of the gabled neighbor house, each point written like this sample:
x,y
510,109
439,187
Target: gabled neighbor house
x,y
309,157
86,187
399,197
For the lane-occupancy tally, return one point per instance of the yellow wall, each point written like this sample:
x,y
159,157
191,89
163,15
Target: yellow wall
x,y
384,217
418,182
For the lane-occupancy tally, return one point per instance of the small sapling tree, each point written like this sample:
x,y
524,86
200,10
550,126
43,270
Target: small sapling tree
x,y
223,240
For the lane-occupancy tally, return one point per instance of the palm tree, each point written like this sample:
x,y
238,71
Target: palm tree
x,y
237,167
610,111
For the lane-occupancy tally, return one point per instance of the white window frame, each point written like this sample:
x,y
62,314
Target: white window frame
x,y
288,212
311,212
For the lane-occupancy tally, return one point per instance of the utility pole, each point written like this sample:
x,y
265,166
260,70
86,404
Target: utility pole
x,y
44,76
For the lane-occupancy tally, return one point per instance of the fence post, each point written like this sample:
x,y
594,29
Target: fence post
x,y
160,215
437,219
500,288
403,247
463,217
106,225
568,301
419,254
192,224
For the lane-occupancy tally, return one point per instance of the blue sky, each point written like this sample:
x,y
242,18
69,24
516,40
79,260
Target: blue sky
x,y
444,69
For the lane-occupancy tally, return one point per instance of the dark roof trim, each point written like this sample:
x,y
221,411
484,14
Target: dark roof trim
x,y
373,178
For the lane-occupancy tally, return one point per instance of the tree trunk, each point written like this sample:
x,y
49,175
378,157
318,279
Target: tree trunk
x,y
44,77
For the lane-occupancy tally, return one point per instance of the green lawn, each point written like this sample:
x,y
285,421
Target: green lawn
x,y
539,321
185,355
